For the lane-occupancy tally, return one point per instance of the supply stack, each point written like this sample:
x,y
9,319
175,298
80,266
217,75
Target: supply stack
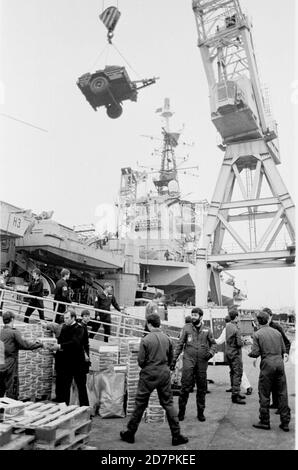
x,y
154,412
35,367
133,371
108,357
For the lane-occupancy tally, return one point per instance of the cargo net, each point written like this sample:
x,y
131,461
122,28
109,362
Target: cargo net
x,y
35,367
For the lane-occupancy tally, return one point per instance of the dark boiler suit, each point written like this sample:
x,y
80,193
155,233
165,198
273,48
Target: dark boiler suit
x,y
233,353
61,295
268,343
13,342
199,346
35,288
155,357
279,328
103,302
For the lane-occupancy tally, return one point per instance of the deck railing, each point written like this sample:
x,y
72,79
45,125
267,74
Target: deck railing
x,y
122,324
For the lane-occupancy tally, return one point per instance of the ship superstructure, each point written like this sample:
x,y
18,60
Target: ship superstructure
x,y
165,228
154,246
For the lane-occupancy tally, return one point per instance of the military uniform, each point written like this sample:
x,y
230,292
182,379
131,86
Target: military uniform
x,y
268,344
85,344
103,301
13,342
199,346
233,352
277,327
62,295
35,288
155,357
3,280
70,364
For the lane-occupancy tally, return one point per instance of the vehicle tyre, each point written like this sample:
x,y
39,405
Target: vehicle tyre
x,y
99,85
114,111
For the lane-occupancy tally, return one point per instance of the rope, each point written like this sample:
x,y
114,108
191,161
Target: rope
x,y
23,122
121,55
99,55
107,53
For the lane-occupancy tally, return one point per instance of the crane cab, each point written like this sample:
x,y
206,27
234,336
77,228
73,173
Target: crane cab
x,y
234,111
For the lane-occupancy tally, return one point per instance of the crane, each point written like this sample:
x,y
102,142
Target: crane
x,y
239,210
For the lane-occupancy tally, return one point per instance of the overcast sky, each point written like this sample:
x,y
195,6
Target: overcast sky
x,y
75,166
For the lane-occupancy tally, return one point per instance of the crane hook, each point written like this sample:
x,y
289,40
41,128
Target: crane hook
x,y
110,36
110,17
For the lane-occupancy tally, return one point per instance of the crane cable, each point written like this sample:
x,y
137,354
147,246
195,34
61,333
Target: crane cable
x,y
122,56
110,20
107,50
99,55
23,122
103,4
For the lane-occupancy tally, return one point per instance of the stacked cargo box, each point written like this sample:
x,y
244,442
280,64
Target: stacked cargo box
x,y
108,356
28,363
124,349
45,360
35,368
133,371
154,412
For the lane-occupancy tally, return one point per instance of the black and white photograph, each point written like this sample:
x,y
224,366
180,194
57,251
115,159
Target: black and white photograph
x,y
147,229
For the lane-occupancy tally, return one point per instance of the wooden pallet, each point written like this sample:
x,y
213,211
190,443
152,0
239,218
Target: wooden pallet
x,y
54,426
49,430
70,439
10,407
5,434
19,442
34,413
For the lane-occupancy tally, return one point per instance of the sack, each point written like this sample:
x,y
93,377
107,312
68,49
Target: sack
x,y
112,390
2,353
74,395
92,391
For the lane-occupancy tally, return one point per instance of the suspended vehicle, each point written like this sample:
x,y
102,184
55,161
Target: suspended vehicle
x,y
111,86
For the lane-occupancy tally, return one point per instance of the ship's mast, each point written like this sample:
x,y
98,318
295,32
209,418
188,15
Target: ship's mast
x,y
168,177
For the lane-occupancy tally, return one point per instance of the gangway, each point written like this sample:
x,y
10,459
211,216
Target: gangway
x,y
124,325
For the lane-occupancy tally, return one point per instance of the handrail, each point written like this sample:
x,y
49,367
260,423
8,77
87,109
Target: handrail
x,y
119,320
73,305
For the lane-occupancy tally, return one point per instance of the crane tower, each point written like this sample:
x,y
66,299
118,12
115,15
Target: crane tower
x,y
251,206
